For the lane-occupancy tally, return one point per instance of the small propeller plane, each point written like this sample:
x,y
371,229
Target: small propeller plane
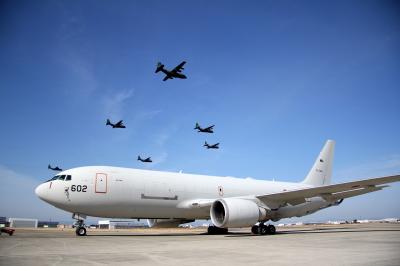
x,y
174,73
147,160
116,125
212,146
54,168
204,130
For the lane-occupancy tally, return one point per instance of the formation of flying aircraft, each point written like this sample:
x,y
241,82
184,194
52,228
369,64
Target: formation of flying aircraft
x,y
147,160
119,124
54,168
212,146
174,73
209,129
170,199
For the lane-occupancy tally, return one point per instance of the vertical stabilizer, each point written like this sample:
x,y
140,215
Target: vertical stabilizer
x,y
321,172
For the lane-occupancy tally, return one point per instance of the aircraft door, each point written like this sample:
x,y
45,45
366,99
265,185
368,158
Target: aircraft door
x,y
101,183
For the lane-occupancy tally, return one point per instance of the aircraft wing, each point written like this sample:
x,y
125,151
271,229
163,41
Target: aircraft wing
x,y
329,192
167,77
179,67
209,128
119,123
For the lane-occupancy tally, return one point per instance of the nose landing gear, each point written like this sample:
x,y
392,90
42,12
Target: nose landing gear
x,y
80,228
263,229
80,224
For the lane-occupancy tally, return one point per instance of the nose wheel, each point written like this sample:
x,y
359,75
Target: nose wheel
x,y
263,229
80,224
80,231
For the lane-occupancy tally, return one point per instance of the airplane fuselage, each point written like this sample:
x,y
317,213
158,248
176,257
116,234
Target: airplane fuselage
x,y
114,192
171,74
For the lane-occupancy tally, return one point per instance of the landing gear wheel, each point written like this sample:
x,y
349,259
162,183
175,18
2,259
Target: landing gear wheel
x,y
263,229
254,229
271,229
80,231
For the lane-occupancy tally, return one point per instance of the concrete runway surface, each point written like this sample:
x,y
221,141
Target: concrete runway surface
x,y
355,244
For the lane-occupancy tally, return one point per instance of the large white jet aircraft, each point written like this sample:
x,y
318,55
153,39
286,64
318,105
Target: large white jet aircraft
x,y
169,199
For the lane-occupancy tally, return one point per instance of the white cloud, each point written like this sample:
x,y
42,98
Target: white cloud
x,y
18,199
114,104
383,166
147,115
161,139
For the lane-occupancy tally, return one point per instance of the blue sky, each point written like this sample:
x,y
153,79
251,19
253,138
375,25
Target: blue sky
x,y
277,78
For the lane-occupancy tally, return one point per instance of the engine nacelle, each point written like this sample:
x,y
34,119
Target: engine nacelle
x,y
166,223
236,213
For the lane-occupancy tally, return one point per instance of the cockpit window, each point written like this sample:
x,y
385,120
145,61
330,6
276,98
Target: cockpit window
x,y
61,177
68,178
54,178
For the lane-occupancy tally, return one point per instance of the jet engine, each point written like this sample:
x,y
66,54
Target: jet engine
x,y
166,223
232,212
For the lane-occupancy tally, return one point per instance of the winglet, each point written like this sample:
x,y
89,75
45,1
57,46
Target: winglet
x,y
321,172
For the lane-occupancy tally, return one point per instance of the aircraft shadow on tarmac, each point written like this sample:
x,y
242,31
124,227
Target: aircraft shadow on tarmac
x,y
248,234
314,231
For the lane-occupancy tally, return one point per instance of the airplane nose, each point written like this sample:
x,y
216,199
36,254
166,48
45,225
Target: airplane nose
x,y
39,191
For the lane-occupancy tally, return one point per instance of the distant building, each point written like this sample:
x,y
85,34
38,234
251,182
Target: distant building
x,y
23,223
48,224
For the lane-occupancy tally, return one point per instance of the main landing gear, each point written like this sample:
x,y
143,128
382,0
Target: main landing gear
x,y
80,224
263,229
213,230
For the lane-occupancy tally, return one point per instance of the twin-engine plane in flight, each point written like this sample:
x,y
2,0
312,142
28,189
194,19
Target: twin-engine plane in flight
x,y
174,73
54,168
119,124
168,199
209,129
147,160
211,146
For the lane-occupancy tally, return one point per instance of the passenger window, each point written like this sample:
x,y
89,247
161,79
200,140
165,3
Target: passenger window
x,y
68,178
62,177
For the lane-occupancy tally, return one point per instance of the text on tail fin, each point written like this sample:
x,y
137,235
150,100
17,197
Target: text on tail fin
x,y
321,172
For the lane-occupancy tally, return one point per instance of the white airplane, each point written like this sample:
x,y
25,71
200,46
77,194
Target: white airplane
x,y
169,199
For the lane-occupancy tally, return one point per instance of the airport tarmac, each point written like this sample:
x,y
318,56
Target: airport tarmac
x,y
354,244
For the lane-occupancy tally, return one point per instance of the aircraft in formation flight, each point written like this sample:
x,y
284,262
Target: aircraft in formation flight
x,y
168,199
174,73
204,130
54,168
119,124
147,160
212,146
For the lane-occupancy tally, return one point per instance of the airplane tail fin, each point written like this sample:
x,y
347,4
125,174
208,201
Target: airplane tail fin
x,y
197,126
321,172
108,122
159,67
138,158
49,167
